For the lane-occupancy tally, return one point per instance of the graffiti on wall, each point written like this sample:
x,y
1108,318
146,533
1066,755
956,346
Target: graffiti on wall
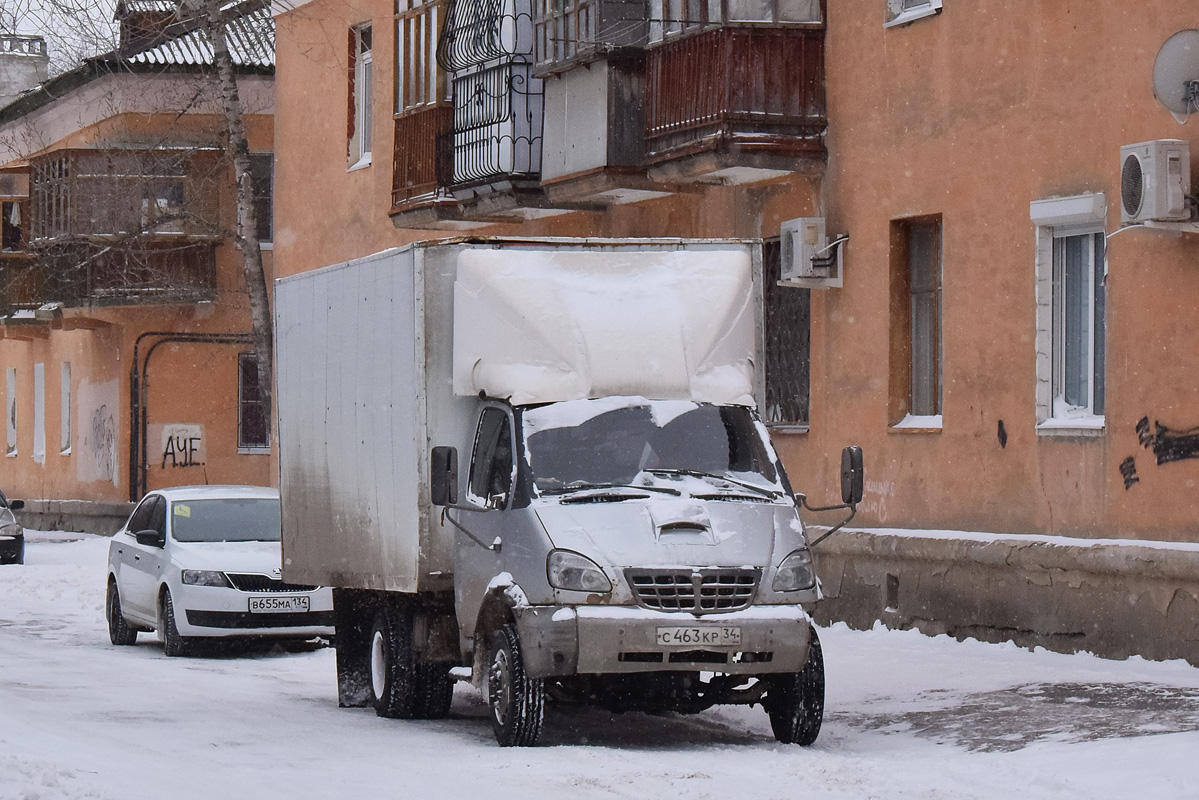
x,y
1167,445
97,404
182,446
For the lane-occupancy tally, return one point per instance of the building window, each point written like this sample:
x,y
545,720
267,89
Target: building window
x,y
262,178
901,12
360,96
13,216
253,422
786,313
64,410
1071,336
10,395
916,332
39,413
419,83
1078,329
671,17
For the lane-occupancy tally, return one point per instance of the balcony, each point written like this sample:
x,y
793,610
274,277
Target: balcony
x,y
735,104
80,273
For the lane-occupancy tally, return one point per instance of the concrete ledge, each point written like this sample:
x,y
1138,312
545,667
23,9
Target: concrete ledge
x,y
1111,597
74,515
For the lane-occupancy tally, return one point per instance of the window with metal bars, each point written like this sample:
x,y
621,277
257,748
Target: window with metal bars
x,y
787,315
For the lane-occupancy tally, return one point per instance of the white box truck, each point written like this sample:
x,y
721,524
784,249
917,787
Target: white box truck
x,y
538,466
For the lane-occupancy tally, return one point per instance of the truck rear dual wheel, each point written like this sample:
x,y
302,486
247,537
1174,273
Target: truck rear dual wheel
x,y
516,701
795,701
401,686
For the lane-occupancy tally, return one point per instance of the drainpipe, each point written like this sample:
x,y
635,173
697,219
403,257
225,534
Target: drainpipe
x,y
139,397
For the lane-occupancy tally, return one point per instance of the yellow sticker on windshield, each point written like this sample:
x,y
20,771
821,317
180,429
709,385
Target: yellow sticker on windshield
x,y
182,510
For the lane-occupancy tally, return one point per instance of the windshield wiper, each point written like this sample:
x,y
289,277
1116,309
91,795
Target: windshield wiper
x,y
583,487
695,473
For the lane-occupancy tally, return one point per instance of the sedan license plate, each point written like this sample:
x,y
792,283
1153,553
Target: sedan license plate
x,y
277,605
700,636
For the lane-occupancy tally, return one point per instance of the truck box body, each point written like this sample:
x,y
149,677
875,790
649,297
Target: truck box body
x,y
366,376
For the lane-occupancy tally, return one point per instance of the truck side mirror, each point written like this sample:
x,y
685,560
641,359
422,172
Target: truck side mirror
x,y
443,476
852,477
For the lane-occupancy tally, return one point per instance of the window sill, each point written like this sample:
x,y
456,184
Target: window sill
x,y
66,452
266,245
913,14
786,427
917,424
361,163
253,451
1085,427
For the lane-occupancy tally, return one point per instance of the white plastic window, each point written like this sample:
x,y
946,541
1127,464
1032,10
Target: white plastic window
x,y
360,135
10,396
901,12
64,410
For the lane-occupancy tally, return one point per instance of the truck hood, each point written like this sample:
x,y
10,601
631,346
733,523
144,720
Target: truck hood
x,y
667,531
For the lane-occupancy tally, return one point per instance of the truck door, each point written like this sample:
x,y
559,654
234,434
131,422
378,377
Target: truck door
x,y
489,485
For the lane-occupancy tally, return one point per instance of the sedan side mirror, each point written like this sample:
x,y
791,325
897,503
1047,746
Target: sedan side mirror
x,y
852,477
443,476
149,538
16,505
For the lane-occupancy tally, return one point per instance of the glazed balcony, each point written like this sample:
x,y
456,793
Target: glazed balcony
x,y
735,104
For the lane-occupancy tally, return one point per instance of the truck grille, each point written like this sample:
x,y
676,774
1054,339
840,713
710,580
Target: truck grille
x,y
249,582
698,591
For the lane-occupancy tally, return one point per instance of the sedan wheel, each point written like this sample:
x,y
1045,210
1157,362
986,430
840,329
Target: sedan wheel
x,y
119,631
172,643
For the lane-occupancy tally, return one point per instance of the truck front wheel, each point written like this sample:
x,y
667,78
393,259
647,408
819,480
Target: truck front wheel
x,y
517,702
392,668
795,700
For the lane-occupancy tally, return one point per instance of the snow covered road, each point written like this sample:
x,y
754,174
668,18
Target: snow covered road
x,y
908,716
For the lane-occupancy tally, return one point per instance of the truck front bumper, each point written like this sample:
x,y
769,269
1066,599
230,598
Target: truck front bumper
x,y
596,640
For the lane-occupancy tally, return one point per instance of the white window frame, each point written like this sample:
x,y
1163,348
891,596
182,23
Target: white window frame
x,y
360,142
1057,219
64,409
39,413
901,12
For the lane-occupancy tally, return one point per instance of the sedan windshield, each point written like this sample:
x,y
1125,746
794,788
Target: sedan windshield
x,y
584,444
226,520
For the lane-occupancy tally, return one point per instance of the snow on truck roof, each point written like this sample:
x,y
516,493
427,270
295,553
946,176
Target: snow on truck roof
x,y
547,326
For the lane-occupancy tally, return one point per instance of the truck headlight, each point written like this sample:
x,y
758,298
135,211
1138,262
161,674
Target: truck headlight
x,y
795,573
576,573
205,577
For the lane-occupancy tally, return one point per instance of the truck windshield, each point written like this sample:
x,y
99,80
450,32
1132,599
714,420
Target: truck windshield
x,y
635,442
226,520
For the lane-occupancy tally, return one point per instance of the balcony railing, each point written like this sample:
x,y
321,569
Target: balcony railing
x,y
497,124
88,273
418,174
752,89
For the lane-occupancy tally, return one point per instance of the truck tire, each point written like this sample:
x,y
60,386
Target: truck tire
x,y
516,701
392,667
173,644
795,700
434,690
119,631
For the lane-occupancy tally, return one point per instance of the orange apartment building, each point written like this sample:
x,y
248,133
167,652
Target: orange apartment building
x,y
1008,331
123,310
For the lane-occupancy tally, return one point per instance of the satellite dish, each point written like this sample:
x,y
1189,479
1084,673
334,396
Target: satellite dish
x,y
1176,72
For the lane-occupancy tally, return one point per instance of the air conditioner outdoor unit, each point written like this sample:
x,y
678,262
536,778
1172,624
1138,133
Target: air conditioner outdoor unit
x,y
1155,180
808,259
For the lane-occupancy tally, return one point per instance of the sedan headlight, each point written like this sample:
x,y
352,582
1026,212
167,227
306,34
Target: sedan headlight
x,y
205,577
567,570
795,573
11,529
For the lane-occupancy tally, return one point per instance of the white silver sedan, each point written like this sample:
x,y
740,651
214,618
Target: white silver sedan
x,y
204,561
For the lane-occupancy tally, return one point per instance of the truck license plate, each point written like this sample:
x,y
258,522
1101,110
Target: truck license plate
x,y
277,605
700,636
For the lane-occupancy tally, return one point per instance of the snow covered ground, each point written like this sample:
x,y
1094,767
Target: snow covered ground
x,y
908,717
